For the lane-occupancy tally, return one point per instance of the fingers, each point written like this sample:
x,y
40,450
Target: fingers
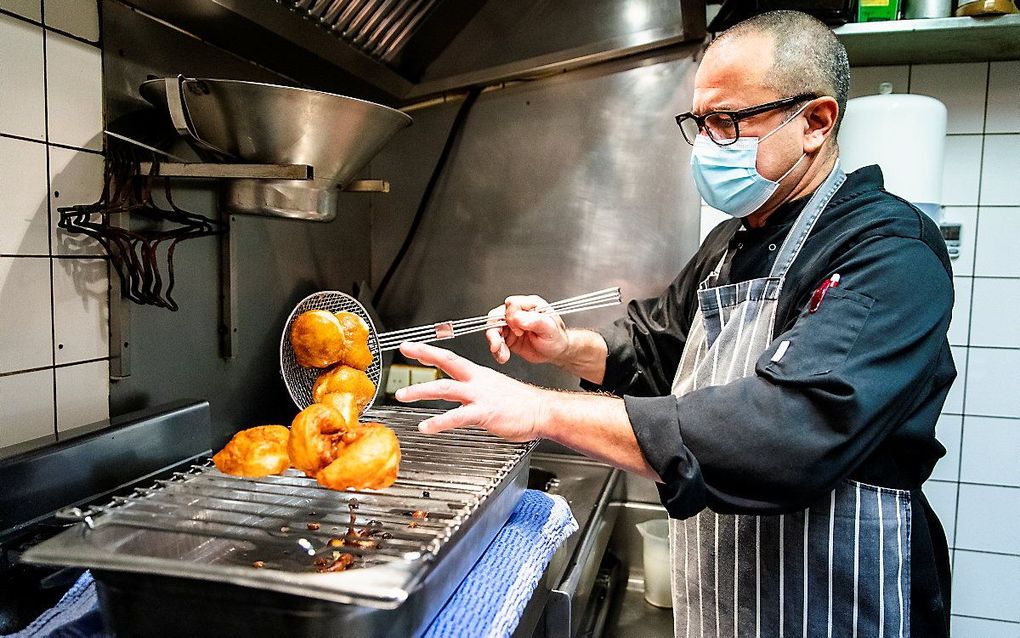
x,y
496,337
443,389
519,312
452,364
456,418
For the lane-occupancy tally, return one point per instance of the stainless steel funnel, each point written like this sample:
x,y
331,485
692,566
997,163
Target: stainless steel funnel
x,y
266,123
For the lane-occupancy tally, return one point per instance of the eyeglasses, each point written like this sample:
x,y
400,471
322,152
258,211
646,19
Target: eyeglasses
x,y
722,126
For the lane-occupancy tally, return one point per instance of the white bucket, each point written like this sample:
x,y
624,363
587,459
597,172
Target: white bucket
x,y
658,577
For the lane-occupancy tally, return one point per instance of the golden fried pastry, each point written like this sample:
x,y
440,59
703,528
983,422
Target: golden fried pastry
x,y
316,437
317,338
356,353
255,452
345,379
345,404
370,462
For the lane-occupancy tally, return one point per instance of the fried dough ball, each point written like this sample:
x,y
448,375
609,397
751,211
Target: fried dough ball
x,y
356,354
370,462
345,404
255,452
316,437
345,379
317,338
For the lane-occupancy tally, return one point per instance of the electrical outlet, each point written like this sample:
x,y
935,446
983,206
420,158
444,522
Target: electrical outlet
x,y
423,374
399,377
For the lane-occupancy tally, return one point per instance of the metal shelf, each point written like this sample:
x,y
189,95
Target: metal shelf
x,y
932,41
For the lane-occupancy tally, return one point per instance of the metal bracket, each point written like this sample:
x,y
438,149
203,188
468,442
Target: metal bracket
x,y
367,186
215,170
227,248
228,289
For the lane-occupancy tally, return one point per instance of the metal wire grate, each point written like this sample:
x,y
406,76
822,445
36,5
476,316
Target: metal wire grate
x,y
278,532
300,380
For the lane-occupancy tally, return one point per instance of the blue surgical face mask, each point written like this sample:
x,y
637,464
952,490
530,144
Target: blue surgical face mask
x,y
727,176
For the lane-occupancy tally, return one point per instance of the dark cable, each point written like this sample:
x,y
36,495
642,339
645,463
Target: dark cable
x,y
426,197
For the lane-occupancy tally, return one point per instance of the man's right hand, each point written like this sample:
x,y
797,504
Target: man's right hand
x,y
536,337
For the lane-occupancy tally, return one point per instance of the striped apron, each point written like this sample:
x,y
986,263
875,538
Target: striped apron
x,y
840,567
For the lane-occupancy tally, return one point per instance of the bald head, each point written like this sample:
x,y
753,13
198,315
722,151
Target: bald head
x,y
800,55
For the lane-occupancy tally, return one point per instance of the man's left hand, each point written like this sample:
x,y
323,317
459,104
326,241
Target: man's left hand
x,y
503,406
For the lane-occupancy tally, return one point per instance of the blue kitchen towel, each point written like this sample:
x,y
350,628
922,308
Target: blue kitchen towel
x,y
490,600
75,616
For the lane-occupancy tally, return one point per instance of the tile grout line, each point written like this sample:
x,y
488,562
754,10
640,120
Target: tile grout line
x,y
42,23
70,147
975,484
988,552
1002,620
58,366
970,320
49,213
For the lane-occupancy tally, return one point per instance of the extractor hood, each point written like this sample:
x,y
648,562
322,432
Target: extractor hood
x,y
399,51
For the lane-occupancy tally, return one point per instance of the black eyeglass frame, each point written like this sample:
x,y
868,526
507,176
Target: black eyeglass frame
x,y
737,116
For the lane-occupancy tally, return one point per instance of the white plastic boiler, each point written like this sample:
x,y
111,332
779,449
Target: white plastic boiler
x,y
906,136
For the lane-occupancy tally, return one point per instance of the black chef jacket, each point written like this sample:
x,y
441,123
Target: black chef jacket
x,y
856,395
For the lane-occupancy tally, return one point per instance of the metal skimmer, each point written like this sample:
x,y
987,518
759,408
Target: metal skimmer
x,y
299,380
268,533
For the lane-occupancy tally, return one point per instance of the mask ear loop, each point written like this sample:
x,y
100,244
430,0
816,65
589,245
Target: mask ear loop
x,y
802,155
787,121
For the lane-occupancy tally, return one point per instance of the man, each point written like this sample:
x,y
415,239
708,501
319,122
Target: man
x,y
783,391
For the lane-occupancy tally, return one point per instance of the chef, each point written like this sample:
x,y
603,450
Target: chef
x,y
782,392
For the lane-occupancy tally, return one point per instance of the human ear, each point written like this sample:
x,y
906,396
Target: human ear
x,y
819,117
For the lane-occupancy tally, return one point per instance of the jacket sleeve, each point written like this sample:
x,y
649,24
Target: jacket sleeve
x,y
781,438
646,344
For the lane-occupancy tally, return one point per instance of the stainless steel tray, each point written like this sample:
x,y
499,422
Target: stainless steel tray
x,y
206,526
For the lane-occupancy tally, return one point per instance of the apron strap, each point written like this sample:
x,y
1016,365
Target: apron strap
x,y
713,276
806,221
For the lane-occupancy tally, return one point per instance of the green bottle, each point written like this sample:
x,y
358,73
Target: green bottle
x,y
874,10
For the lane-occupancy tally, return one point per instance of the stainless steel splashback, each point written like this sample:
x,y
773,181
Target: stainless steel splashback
x,y
557,187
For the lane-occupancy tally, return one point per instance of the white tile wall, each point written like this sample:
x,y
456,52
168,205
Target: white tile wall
x,y
54,351
1004,98
986,586
76,177
995,319
77,389
80,309
988,391
74,78
26,406
75,17
999,185
965,627
964,95
991,449
26,337
31,9
866,80
961,177
23,213
986,519
979,426
22,91
997,231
